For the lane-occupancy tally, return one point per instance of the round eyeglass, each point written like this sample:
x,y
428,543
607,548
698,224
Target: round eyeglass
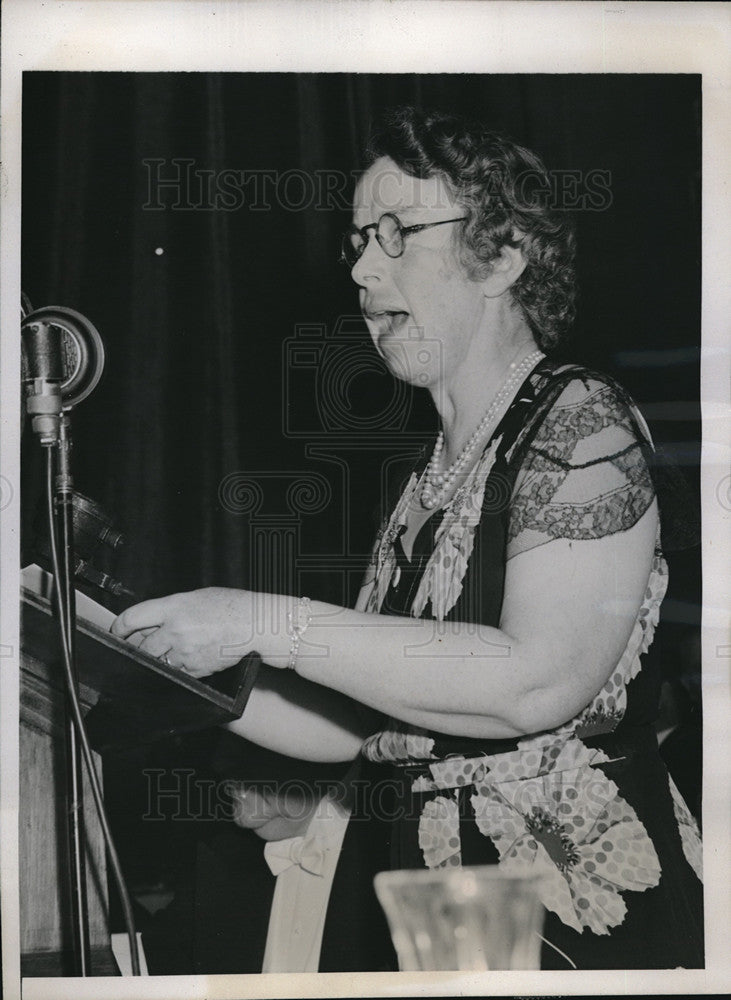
x,y
389,233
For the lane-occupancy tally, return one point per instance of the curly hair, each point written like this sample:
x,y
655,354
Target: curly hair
x,y
503,186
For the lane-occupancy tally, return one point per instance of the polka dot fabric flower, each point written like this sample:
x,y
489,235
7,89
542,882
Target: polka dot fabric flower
x,y
439,833
453,772
570,826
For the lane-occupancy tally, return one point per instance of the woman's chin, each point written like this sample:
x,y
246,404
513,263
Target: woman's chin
x,y
409,361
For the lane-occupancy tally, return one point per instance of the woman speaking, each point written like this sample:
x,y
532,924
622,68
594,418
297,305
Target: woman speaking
x,y
492,668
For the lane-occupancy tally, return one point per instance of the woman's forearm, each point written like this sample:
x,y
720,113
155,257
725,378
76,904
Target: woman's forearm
x,y
460,679
457,678
292,716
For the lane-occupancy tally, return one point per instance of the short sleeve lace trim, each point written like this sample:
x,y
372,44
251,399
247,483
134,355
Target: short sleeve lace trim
x,y
584,475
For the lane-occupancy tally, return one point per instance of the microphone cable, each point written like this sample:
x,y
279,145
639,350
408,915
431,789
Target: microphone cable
x,y
63,621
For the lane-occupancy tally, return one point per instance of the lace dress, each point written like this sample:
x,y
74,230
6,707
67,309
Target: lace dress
x,y
589,805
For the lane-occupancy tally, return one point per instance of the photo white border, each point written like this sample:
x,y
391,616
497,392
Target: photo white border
x,y
476,36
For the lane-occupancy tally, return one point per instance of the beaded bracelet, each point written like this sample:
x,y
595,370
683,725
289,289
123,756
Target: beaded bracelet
x,y
298,620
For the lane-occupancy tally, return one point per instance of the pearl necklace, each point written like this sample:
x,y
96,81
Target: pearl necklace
x,y
436,484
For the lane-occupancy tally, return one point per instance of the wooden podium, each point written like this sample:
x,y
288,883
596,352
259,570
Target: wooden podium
x,y
128,698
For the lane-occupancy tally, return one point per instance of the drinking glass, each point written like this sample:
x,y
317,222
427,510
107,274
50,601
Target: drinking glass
x,y
472,918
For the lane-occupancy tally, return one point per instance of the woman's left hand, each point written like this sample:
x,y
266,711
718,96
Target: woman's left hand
x,y
201,631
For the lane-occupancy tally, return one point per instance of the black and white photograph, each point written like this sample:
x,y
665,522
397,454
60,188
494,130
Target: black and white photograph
x,y
362,502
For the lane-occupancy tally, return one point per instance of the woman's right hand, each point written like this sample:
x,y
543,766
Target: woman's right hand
x,y
273,815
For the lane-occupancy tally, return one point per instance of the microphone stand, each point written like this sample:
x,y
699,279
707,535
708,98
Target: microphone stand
x,y
54,428
46,377
63,497
51,422
59,495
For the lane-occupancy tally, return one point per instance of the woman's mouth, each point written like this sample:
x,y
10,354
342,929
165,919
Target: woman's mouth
x,y
388,320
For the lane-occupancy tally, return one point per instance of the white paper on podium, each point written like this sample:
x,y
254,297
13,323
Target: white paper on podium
x,y
40,583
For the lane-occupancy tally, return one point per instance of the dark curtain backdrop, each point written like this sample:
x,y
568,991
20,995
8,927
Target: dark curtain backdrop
x,y
198,392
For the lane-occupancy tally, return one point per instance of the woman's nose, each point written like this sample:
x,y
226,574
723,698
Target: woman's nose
x,y
370,265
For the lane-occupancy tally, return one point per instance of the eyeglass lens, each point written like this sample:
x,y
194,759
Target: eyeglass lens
x,y
387,232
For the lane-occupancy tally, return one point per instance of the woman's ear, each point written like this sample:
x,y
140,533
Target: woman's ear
x,y
505,269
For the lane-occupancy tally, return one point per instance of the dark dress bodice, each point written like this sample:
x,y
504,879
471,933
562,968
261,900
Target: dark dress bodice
x,y
663,922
